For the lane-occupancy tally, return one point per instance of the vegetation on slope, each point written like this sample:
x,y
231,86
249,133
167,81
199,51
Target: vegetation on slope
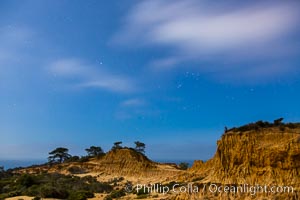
x,y
264,124
51,186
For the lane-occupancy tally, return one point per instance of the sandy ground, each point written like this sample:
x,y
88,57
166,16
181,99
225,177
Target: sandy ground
x,y
19,198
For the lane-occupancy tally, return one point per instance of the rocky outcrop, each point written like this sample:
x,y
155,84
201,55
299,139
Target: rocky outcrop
x,y
124,162
265,156
128,163
198,164
268,156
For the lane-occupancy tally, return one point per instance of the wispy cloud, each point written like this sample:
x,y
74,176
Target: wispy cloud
x,y
166,63
131,108
205,31
136,108
135,102
85,75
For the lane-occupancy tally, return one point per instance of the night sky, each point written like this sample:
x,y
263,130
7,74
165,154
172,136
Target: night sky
x,y
170,73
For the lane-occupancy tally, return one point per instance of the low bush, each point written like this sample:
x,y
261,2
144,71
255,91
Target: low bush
x,y
142,196
264,124
75,170
80,195
183,166
52,186
115,194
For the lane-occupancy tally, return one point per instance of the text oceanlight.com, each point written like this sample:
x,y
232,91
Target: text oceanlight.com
x,y
211,188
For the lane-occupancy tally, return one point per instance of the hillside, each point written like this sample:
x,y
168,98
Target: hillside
x,y
255,154
124,162
132,165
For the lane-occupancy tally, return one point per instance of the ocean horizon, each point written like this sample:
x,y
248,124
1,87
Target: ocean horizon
x,y
10,164
176,161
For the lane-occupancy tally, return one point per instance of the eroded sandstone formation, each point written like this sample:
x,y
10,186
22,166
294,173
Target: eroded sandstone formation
x,y
265,156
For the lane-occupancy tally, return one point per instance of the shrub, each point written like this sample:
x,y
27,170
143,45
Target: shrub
x,y
263,124
73,159
51,186
33,190
75,170
26,180
80,195
98,187
48,191
291,125
142,196
14,193
183,166
108,197
117,194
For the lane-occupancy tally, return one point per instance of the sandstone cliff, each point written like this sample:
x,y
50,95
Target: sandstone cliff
x,y
263,156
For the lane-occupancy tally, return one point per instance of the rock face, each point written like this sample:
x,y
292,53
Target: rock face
x,y
266,156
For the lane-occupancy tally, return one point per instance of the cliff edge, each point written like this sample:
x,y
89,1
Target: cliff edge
x,y
253,155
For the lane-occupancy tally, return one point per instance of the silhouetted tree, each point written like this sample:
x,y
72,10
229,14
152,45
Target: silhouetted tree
x,y
225,129
94,151
140,147
117,145
278,122
2,172
59,155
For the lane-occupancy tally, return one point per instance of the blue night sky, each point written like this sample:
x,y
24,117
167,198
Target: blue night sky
x,y
169,73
